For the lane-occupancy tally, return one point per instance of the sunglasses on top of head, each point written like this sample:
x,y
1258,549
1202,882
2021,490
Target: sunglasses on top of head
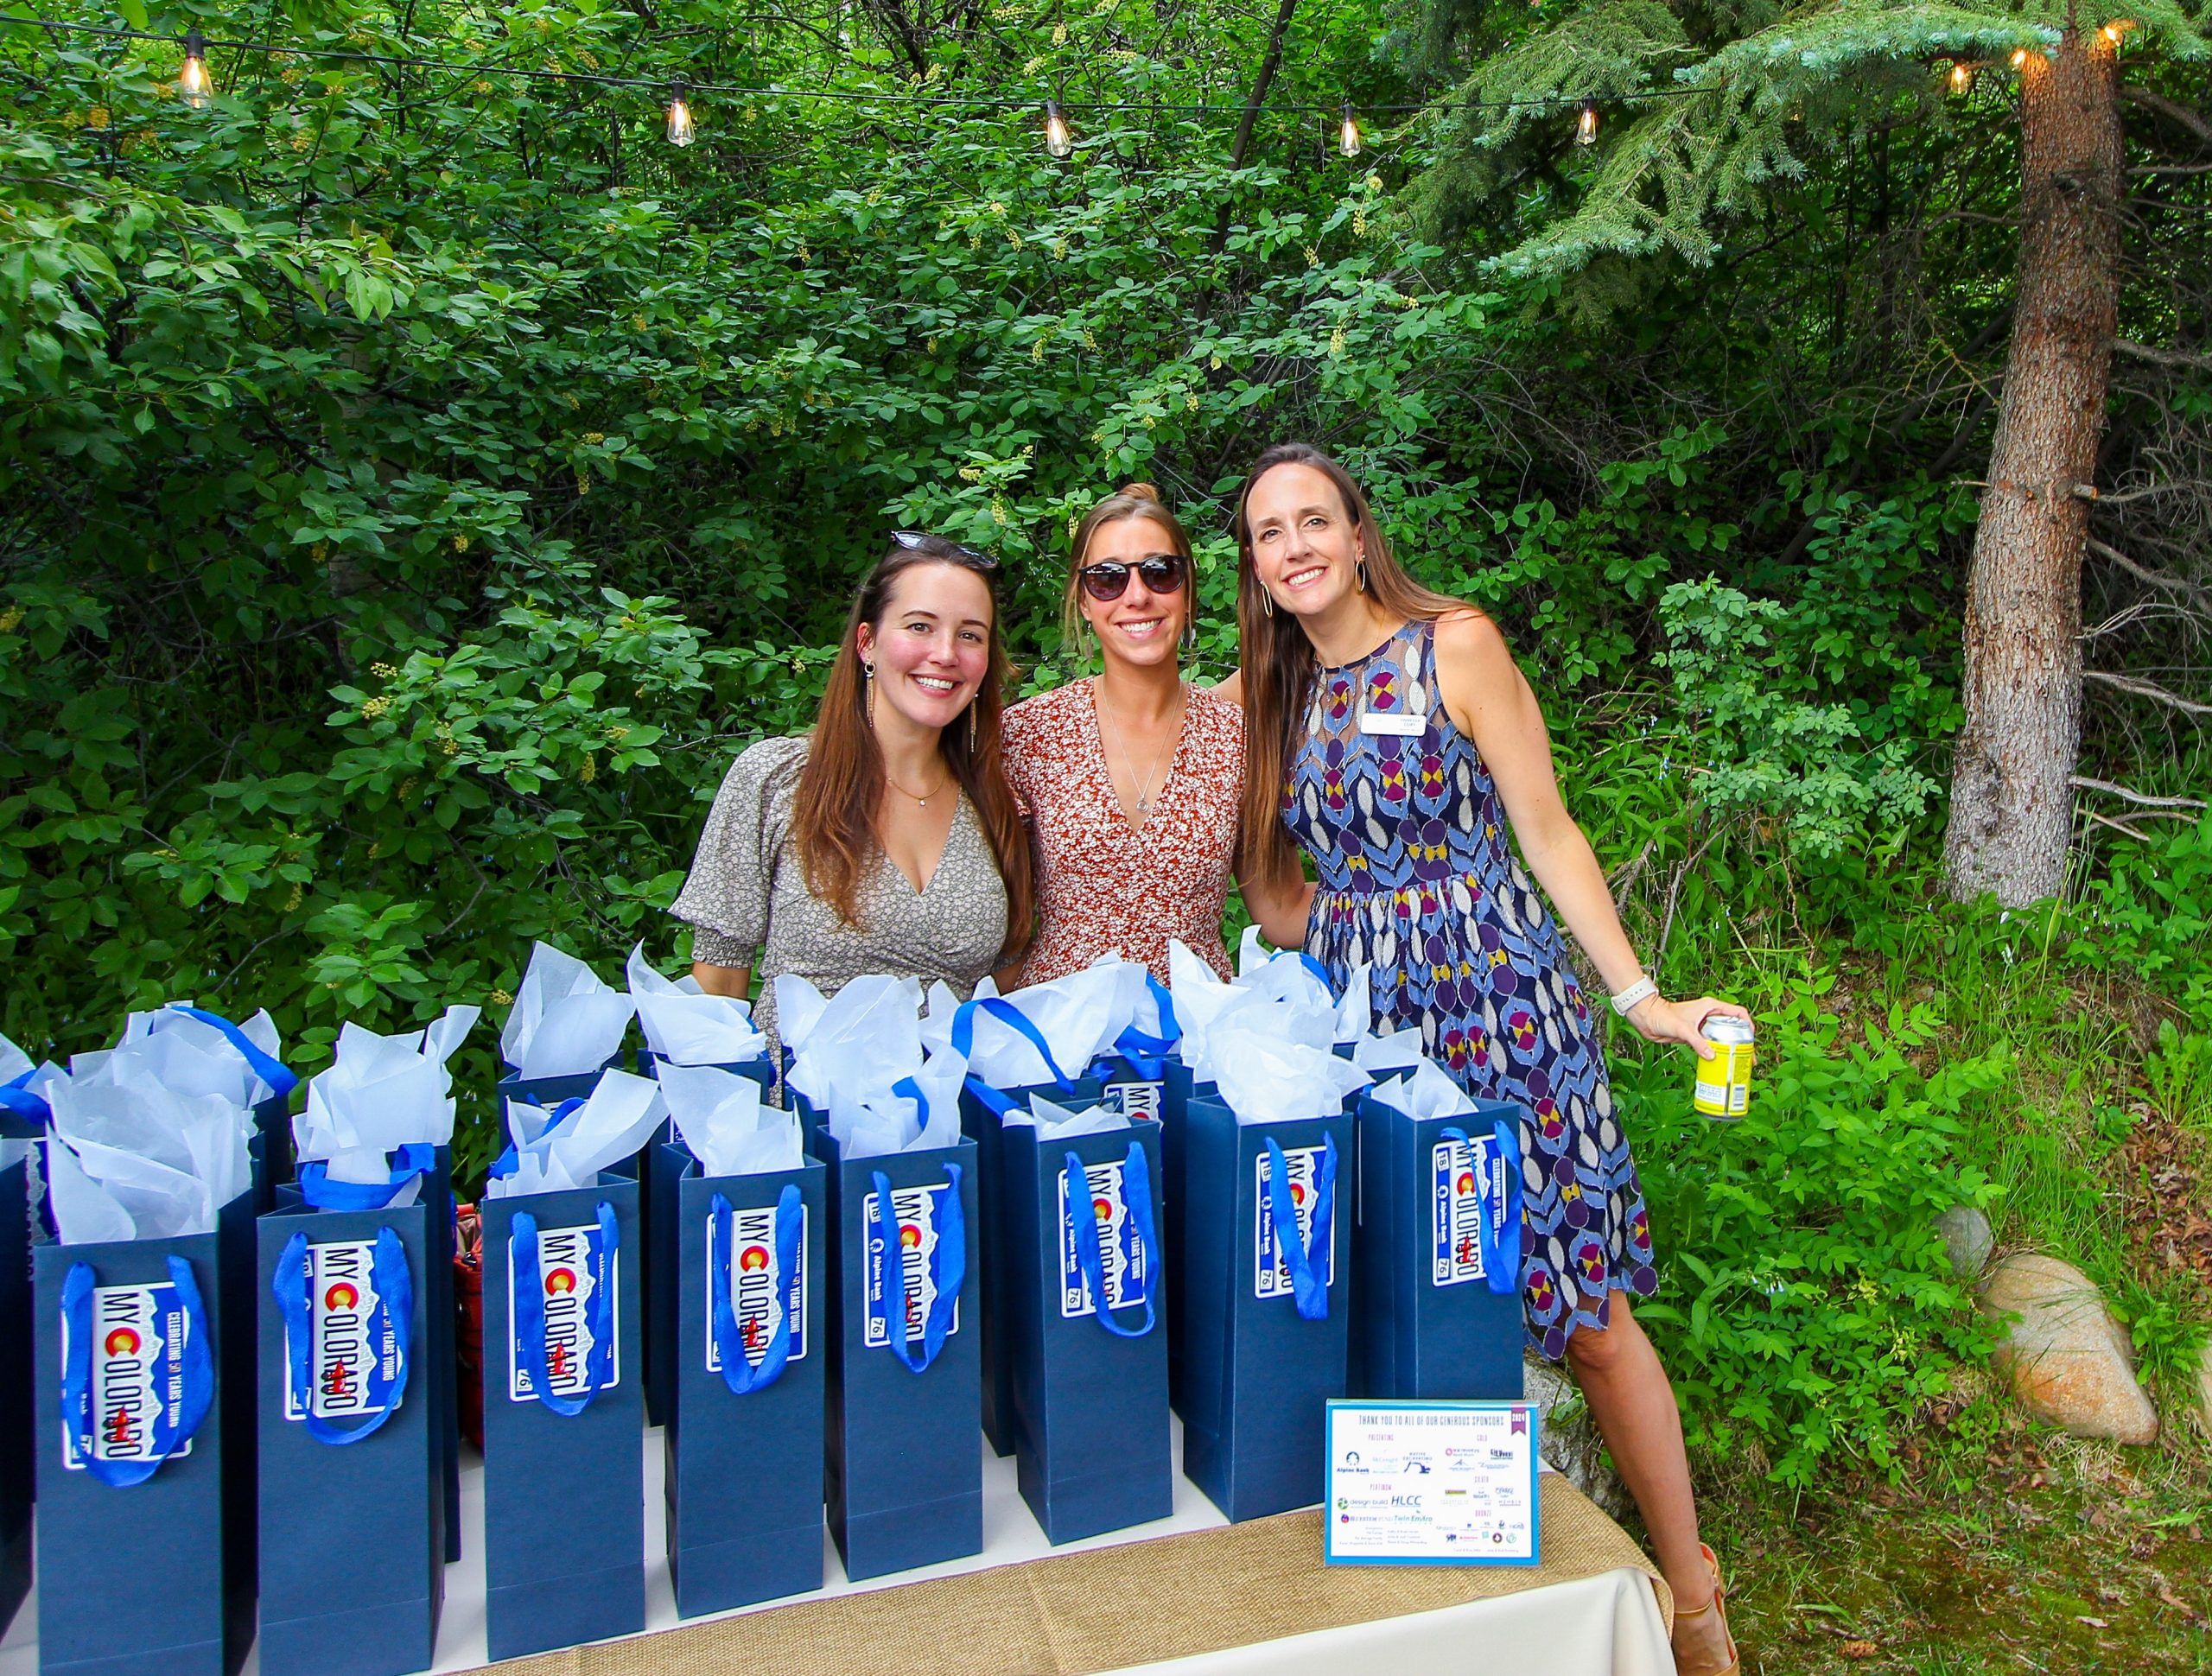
x,y
1162,573
917,541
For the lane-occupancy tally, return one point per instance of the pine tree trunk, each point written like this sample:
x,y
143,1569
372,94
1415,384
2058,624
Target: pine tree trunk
x,y
2011,791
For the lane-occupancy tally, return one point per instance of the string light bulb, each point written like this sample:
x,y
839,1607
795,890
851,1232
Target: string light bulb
x,y
681,129
2020,59
1058,140
2117,28
1586,126
1348,140
193,85
1962,78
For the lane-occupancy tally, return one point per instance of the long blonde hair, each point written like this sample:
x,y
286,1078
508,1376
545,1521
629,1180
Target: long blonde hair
x,y
1278,660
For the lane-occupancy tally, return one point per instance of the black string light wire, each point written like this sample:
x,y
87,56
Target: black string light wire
x,y
196,89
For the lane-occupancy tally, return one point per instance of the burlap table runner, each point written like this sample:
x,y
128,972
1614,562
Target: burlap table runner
x,y
1106,1609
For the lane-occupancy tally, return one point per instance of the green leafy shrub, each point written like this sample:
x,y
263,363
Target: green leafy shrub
x,y
1806,1306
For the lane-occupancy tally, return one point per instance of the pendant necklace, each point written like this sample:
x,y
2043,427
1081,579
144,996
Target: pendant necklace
x,y
924,801
1144,786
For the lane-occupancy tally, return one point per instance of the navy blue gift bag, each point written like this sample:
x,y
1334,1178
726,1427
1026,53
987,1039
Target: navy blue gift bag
x,y
144,1375
1177,1091
661,1172
22,1118
1437,1254
744,1441
1087,1331
904,1468
1268,1255
563,1417
349,1434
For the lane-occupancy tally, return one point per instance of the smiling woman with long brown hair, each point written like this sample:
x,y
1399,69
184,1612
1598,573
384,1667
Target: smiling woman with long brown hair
x,y
1390,737
886,839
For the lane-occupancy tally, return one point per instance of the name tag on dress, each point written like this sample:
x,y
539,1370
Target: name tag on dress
x,y
1398,725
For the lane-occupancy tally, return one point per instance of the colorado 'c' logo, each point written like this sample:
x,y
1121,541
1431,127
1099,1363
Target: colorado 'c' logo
x,y
341,1296
1465,1184
909,1235
123,1341
1101,1208
752,1258
560,1282
1297,1193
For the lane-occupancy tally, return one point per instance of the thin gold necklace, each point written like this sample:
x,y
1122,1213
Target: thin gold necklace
x,y
936,790
1144,786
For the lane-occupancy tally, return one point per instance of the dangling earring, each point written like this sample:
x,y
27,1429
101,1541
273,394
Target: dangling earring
x,y
1360,565
867,673
1190,632
971,730
1266,601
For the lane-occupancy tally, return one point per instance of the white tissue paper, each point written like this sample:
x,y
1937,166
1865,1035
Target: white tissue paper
x,y
1278,1066
192,1056
1079,1016
380,1094
1401,1051
855,1045
14,1062
1424,1091
617,1119
565,1021
1355,1009
131,1158
1057,1123
894,1122
686,1026
729,1128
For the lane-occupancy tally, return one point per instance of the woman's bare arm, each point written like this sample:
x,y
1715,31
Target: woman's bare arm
x,y
734,980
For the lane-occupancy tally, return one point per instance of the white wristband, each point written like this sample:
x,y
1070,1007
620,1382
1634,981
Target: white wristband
x,y
1627,1000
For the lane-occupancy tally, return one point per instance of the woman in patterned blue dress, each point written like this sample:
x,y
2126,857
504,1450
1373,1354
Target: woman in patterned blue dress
x,y
1389,736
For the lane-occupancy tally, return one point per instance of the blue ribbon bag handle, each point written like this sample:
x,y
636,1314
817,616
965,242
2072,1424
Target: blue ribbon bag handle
x,y
1136,1193
530,1315
950,1272
396,1297
1306,1284
1501,1261
739,1375
264,1065
197,1367
964,1042
18,1101
324,1194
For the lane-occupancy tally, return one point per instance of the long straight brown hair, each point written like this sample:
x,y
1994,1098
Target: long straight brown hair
x,y
1278,661
841,786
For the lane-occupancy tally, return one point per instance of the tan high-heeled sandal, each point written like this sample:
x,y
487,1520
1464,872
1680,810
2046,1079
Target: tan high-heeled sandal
x,y
1717,1603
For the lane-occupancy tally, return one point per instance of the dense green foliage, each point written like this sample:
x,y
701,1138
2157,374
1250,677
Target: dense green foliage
x,y
422,482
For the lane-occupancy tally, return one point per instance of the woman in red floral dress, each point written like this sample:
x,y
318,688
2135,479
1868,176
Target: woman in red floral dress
x,y
1133,777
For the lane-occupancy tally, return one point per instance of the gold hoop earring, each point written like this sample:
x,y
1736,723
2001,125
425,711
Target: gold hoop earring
x,y
1360,565
1266,601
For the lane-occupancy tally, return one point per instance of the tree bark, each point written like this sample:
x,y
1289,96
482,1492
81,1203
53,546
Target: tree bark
x,y
2011,791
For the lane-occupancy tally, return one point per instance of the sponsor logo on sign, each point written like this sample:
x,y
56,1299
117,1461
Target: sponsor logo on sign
x,y
1132,1099
136,1393
1272,1279
1123,1258
1467,1179
355,1347
916,1210
752,1284
568,1278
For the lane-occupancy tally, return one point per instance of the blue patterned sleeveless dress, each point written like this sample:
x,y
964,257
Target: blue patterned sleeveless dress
x,y
1408,835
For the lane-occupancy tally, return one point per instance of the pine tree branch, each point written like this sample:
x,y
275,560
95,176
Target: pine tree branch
x,y
2143,351
2144,798
2194,592
2180,115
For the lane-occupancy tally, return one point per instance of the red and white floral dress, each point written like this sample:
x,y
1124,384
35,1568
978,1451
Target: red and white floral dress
x,y
1102,886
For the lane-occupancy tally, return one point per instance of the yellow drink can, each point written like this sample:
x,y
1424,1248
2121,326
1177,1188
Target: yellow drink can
x,y
1723,1082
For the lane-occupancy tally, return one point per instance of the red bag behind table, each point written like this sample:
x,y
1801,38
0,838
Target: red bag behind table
x,y
469,1321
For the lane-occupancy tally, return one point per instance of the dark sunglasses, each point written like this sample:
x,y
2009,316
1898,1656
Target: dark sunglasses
x,y
1163,573
917,541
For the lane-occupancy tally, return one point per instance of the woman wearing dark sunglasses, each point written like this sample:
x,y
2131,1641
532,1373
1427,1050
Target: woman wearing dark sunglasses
x,y
1132,777
887,839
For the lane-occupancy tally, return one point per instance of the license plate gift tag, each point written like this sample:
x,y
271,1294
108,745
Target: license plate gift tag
x,y
1123,1257
355,1350
1466,1184
919,1212
135,1398
572,1267
753,1285
1272,1279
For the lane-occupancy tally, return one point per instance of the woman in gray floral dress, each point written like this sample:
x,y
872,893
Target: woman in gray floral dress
x,y
886,839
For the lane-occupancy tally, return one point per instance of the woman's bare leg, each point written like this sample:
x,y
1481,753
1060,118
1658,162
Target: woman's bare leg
x,y
1634,1407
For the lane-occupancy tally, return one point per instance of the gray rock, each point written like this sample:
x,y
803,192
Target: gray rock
x,y
2069,1361
1966,1236
1568,1435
